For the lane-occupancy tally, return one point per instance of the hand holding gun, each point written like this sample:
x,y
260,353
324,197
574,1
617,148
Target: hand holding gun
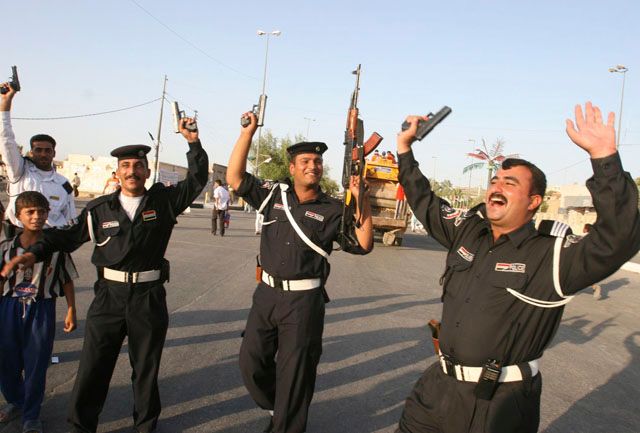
x,y
258,110
179,116
14,83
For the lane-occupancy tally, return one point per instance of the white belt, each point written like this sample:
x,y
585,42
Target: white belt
x,y
294,285
131,277
509,373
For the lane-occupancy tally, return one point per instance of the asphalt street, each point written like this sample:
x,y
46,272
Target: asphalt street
x,y
376,342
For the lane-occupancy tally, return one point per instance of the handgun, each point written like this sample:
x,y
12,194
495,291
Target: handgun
x,y
177,118
14,82
258,109
425,126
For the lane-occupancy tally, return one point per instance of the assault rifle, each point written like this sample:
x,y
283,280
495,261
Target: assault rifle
x,y
425,126
355,150
14,82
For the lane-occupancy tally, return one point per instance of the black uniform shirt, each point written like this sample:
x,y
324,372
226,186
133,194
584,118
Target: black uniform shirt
x,y
481,319
283,253
138,245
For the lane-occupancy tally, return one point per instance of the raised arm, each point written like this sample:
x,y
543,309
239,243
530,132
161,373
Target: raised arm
x,y
183,194
238,160
8,146
433,212
615,237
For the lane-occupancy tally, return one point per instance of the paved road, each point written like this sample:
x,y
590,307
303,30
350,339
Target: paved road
x,y
375,344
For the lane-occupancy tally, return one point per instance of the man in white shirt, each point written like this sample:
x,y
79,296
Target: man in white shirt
x,y
220,207
34,172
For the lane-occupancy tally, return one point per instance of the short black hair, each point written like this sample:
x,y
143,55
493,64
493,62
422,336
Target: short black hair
x,y
43,137
218,181
31,199
538,179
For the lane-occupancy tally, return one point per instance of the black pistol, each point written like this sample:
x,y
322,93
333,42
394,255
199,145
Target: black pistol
x,y
177,118
258,109
425,126
14,82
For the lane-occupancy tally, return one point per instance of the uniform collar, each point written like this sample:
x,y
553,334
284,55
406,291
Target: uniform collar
x,y
320,198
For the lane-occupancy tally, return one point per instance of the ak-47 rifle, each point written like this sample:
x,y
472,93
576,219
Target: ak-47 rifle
x,y
355,150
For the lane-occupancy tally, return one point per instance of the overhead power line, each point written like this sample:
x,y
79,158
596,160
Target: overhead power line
x,y
194,46
88,115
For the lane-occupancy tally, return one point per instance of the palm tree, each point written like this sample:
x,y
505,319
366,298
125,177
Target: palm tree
x,y
492,158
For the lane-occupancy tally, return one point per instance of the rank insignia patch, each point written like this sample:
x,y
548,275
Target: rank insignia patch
x,y
465,254
571,239
149,215
315,216
110,224
511,267
279,206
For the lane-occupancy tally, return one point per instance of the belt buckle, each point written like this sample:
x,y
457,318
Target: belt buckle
x,y
277,283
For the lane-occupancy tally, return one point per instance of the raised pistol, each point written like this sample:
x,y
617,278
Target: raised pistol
x,y
14,82
426,126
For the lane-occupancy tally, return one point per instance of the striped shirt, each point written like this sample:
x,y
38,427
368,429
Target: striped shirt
x,y
44,280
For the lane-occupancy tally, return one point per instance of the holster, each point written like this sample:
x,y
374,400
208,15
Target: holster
x,y
258,269
434,326
165,270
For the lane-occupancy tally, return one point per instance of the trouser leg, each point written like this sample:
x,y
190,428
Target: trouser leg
x,y
221,215
424,408
147,322
39,332
258,349
300,317
105,330
11,361
214,221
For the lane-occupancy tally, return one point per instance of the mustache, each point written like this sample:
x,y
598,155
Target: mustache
x,y
132,176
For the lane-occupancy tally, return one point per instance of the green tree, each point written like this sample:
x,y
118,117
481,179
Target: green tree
x,y
273,161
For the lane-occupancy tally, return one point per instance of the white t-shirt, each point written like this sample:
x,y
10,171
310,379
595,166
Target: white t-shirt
x,y
130,204
221,196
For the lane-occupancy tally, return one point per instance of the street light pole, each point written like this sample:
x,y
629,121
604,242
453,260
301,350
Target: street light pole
x,y
264,85
309,120
623,70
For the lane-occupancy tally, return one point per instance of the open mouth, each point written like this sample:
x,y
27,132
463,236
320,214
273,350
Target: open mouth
x,y
497,200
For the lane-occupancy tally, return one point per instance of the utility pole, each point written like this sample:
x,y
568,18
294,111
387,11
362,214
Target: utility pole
x,y
156,161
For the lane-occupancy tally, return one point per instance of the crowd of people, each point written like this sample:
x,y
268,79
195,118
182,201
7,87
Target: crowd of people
x,y
504,285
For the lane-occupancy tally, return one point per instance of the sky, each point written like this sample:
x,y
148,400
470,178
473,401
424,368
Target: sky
x,y
509,69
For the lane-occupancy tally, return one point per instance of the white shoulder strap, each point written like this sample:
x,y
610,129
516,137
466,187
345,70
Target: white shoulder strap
x,y
92,235
556,283
283,191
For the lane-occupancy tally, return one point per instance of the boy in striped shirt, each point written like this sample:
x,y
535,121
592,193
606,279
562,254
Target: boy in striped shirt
x,y
27,315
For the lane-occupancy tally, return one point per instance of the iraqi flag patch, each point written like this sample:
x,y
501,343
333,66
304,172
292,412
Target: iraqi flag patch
x,y
511,267
315,216
465,254
149,215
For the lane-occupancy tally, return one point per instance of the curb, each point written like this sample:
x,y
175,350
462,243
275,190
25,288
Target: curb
x,y
631,267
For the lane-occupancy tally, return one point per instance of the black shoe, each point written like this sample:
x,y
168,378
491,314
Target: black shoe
x,y
269,428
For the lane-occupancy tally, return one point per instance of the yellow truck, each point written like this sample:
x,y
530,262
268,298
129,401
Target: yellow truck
x,y
388,205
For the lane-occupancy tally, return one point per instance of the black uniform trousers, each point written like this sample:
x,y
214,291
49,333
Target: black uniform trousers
x,y
280,352
442,404
138,311
215,216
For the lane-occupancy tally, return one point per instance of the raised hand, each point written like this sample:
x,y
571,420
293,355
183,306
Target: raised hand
x,y
591,134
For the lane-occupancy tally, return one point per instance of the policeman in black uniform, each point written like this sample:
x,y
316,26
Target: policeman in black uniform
x,y
506,283
130,229
283,337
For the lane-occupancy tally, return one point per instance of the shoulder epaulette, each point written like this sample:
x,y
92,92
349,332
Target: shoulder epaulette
x,y
554,228
67,187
